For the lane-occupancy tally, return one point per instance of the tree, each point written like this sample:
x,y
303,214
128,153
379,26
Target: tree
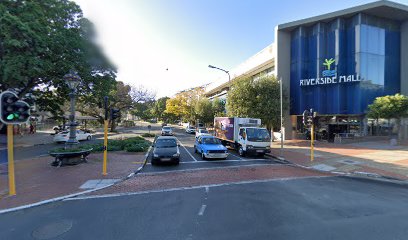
x,y
391,106
204,110
183,104
160,108
256,99
40,41
218,106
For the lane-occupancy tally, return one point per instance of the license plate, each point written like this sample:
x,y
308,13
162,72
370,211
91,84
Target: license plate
x,y
260,151
166,159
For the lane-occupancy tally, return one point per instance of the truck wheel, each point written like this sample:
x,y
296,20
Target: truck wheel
x,y
241,152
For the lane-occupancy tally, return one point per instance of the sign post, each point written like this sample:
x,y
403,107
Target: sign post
x,y
311,143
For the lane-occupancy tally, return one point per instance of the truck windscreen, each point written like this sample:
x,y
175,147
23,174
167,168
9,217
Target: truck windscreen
x,y
258,135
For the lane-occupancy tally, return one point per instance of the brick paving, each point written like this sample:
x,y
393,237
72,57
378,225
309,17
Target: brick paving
x,y
37,180
190,178
377,157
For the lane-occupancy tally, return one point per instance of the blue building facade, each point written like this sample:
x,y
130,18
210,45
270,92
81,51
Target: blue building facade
x,y
339,67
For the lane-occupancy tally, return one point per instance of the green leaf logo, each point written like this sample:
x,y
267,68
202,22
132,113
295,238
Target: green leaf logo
x,y
328,63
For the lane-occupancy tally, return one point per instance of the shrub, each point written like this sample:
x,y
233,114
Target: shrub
x,y
148,135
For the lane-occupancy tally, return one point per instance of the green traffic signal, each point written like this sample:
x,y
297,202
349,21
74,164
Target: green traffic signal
x,y
12,116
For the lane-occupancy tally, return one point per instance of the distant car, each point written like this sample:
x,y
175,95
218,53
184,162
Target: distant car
x,y
165,149
190,129
167,131
64,136
210,147
202,132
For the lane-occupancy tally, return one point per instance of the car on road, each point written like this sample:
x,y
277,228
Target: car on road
x,y
210,147
167,131
190,129
165,149
64,136
202,132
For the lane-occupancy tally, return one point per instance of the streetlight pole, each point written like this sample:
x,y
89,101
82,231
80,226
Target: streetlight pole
x,y
227,72
72,79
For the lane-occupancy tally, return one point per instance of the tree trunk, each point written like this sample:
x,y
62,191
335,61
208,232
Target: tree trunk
x,y
113,126
399,135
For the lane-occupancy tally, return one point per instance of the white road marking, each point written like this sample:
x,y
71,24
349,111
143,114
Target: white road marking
x,y
202,209
191,188
188,152
207,189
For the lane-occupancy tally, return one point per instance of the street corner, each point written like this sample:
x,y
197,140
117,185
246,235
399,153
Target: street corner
x,y
39,182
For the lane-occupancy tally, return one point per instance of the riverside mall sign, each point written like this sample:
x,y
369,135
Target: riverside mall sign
x,y
329,77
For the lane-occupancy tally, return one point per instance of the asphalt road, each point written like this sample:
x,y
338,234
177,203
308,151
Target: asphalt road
x,y
303,208
191,160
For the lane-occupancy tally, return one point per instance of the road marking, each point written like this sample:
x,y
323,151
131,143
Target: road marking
x,y
188,152
191,188
207,189
202,209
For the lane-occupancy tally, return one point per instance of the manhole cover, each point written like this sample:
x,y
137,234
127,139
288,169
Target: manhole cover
x,y
52,230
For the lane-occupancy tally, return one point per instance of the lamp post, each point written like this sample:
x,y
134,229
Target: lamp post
x,y
72,79
227,72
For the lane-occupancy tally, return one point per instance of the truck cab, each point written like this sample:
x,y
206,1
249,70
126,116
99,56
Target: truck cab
x,y
253,140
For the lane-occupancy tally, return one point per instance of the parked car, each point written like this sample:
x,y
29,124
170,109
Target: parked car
x,y
166,131
165,149
202,132
64,136
190,129
210,147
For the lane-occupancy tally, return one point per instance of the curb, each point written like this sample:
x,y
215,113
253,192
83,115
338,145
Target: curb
x,y
364,175
8,210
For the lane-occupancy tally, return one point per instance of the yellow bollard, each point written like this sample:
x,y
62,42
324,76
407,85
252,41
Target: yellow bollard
x,y
10,152
311,143
105,147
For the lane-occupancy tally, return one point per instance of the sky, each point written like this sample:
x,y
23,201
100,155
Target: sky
x,y
167,45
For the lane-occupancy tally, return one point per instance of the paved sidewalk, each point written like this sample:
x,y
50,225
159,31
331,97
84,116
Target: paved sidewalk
x,y
377,158
36,180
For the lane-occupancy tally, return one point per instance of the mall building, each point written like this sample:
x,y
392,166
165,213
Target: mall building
x,y
335,64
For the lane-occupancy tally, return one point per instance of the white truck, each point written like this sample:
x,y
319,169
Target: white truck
x,y
244,134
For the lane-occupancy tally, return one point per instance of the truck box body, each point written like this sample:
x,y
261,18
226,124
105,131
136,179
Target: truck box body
x,y
227,128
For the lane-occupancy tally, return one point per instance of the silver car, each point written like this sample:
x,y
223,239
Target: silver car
x,y
167,131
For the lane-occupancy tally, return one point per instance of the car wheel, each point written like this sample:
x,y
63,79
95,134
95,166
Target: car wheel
x,y
154,161
262,155
89,138
177,161
195,149
202,156
241,151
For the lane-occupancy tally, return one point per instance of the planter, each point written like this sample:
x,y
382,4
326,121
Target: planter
x,y
69,158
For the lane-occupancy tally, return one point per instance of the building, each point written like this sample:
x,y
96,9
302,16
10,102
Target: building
x,y
338,63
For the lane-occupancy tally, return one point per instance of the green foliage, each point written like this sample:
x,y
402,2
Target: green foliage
x,y
40,41
204,110
148,135
79,148
391,106
257,99
134,144
218,106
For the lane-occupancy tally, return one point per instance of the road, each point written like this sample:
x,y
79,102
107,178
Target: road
x,y
302,208
191,160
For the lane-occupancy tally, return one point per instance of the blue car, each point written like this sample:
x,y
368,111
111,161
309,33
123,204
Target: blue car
x,y
210,147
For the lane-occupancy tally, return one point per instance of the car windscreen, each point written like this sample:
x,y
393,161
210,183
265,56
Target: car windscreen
x,y
166,143
203,131
257,135
211,141
167,128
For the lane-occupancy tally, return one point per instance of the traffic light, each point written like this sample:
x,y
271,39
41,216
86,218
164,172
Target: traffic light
x,y
306,114
115,113
12,110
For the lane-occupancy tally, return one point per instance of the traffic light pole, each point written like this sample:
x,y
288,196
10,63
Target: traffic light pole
x,y
105,138
311,143
10,152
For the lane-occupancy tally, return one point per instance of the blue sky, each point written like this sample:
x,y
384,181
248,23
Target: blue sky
x,y
146,37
